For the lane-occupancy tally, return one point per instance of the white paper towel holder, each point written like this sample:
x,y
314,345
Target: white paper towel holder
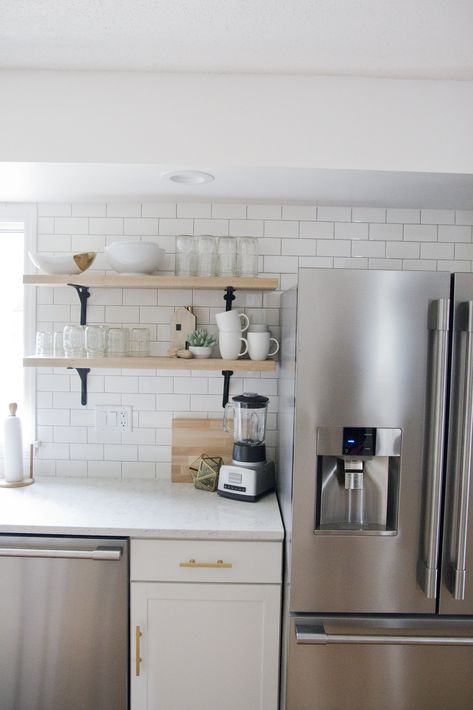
x,y
25,481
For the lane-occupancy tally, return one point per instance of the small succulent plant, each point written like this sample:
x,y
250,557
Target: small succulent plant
x,y
201,338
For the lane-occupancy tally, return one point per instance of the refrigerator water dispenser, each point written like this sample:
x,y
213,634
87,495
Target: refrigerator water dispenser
x,y
357,480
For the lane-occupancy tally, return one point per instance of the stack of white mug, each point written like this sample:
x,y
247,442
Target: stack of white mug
x,y
257,343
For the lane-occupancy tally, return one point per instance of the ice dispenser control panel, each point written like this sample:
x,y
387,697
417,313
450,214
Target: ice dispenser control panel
x,y
359,441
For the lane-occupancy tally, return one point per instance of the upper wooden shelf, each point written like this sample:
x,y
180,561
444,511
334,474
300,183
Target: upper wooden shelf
x,y
152,363
151,281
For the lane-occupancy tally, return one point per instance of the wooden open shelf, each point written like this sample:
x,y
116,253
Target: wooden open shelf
x,y
150,281
152,363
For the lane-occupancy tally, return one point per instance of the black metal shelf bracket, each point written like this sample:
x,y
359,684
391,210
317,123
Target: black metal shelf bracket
x,y
229,297
82,372
83,293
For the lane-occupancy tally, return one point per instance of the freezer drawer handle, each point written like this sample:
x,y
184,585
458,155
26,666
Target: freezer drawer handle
x,y
100,553
457,571
428,565
316,635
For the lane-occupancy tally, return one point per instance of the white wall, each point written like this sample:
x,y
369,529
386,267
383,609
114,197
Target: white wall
x,y
236,120
290,236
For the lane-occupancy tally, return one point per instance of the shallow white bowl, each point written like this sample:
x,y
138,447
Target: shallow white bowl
x,y
134,257
63,264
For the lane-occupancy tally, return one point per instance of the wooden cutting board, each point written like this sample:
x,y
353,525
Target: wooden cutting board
x,y
193,437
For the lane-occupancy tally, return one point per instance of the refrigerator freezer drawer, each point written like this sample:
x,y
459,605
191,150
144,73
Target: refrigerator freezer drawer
x,y
372,663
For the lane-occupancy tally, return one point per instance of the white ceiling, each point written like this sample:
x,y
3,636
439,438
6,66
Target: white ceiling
x,y
85,182
429,39
380,38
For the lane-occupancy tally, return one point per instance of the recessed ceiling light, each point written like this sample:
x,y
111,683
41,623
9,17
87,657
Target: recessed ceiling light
x,y
188,177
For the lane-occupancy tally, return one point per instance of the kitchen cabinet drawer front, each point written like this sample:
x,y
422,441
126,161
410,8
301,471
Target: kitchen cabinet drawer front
x,y
205,561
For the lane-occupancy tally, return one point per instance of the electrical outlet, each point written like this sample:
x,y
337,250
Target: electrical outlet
x,y
124,418
113,418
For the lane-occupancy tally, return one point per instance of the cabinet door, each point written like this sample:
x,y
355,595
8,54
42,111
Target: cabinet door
x,y
205,646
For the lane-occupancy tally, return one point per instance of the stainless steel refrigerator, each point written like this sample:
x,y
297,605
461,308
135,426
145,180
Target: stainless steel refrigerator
x,y
375,459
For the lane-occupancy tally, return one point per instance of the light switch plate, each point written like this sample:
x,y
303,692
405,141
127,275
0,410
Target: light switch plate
x,y
113,417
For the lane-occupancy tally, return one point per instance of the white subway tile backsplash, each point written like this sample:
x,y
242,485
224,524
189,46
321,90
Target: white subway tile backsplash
x,y
403,216
351,230
464,217
299,212
230,210
437,216
316,230
88,209
334,214
106,225
368,248
71,225
290,237
420,232
140,226
246,228
436,251
263,211
299,247
194,210
463,251
334,247
455,234
157,209
125,209
403,250
368,214
214,227
57,209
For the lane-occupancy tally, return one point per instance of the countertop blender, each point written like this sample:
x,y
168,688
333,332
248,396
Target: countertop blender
x,y
250,475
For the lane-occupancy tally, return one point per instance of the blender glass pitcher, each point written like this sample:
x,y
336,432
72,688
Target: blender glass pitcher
x,y
249,418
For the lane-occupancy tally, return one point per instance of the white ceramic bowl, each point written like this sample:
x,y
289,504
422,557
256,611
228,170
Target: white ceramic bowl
x,y
63,264
200,351
134,257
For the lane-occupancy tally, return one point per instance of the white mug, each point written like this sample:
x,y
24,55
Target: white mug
x,y
232,321
259,344
229,344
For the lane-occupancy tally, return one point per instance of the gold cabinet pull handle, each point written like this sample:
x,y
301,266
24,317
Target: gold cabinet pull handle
x,y
138,658
219,564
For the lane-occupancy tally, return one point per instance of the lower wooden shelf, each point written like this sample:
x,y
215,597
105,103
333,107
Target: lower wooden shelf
x,y
152,363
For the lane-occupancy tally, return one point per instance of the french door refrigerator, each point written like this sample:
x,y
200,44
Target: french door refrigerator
x,y
376,417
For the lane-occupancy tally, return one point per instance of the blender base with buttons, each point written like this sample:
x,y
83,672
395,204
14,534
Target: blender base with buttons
x,y
250,476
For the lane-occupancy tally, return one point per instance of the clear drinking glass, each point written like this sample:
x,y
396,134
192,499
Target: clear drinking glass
x,y
117,342
206,255
139,342
248,256
74,340
185,255
58,343
95,340
227,253
44,343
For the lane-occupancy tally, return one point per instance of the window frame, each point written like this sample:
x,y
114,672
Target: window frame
x,y
28,214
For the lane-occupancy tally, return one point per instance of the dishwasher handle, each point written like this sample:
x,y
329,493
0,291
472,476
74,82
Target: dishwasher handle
x,y
100,553
316,635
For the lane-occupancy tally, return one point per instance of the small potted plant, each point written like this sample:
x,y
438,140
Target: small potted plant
x,y
200,343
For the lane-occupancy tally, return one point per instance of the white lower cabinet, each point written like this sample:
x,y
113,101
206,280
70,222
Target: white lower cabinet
x,y
201,645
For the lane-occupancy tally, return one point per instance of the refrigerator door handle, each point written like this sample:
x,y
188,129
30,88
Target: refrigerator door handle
x,y
427,570
316,635
457,572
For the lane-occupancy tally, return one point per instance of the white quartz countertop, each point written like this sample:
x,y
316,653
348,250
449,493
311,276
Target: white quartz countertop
x,y
151,509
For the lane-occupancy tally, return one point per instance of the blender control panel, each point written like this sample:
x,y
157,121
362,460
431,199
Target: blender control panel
x,y
359,441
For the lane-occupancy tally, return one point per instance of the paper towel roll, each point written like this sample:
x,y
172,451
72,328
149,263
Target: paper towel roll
x,y
12,446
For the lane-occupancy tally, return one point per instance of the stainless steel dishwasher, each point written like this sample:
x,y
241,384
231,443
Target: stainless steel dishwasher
x,y
63,623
